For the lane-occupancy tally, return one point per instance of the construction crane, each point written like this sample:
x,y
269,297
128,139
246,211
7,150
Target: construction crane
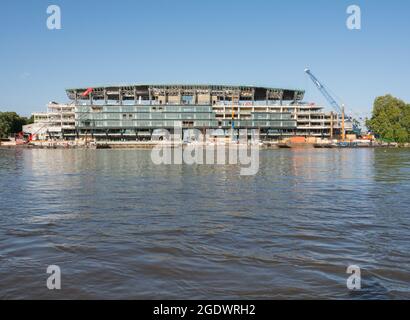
x,y
329,98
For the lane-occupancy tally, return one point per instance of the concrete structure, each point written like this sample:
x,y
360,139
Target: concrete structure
x,y
133,113
58,123
136,112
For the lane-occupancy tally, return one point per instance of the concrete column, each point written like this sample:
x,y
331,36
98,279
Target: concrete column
x,y
195,98
120,96
105,96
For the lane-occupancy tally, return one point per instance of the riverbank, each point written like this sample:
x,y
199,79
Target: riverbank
x,y
151,144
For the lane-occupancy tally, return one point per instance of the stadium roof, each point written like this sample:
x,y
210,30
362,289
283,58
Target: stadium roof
x,y
131,92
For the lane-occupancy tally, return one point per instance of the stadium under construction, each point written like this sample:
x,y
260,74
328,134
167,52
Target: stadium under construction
x,y
137,112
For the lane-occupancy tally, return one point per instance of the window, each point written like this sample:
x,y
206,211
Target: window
x,y
188,124
187,100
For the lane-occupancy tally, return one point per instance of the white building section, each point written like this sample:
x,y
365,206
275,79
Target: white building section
x,y
58,123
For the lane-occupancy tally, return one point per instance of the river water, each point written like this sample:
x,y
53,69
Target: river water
x,y
120,227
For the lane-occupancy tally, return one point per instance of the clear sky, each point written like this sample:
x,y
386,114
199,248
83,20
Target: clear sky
x,y
258,42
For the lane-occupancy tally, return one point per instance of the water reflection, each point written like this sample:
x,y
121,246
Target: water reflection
x,y
121,227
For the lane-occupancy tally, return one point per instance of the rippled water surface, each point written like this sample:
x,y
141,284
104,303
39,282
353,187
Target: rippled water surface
x,y
121,227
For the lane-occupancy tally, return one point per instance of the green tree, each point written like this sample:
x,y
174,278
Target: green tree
x,y
11,123
391,119
30,120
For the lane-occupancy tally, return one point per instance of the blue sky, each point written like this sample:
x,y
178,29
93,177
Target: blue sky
x,y
257,42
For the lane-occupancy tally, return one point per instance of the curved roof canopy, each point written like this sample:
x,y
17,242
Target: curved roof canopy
x,y
146,92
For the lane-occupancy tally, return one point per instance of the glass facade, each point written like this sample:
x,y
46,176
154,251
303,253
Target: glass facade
x,y
168,116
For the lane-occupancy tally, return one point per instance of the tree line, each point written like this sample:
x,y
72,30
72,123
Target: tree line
x,y
12,123
390,119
